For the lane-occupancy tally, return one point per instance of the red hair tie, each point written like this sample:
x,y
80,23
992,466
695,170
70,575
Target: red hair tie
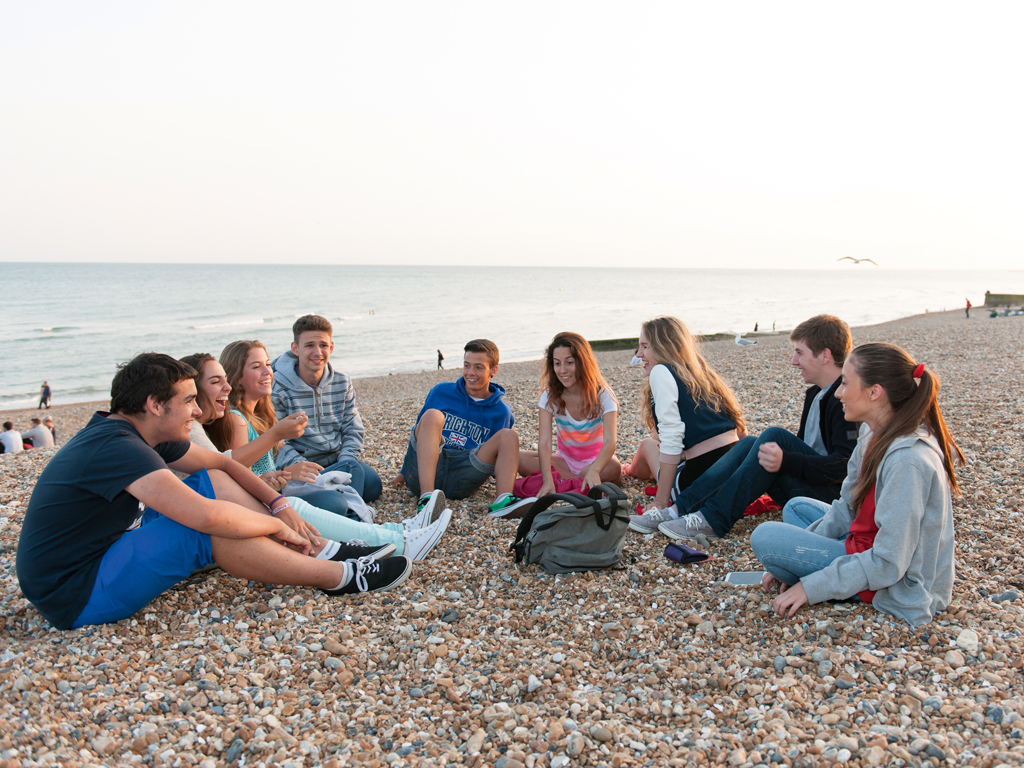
x,y
919,371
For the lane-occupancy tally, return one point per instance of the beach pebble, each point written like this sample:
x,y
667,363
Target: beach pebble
x,y
968,641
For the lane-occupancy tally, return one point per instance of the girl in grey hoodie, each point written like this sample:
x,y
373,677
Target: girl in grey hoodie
x,y
889,537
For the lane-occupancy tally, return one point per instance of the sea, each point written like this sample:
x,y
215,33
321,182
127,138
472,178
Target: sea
x,y
70,324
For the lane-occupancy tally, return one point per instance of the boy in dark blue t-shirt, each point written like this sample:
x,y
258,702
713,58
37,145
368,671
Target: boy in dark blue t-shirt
x,y
463,435
84,556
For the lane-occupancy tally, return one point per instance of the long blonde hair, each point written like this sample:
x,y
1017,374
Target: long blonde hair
x,y
673,345
233,358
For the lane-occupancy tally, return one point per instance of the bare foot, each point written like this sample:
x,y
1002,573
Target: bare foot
x,y
627,470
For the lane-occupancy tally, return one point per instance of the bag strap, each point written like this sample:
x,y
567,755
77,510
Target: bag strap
x,y
614,495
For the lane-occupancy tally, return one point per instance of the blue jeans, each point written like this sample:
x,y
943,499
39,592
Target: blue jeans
x,y
803,511
723,492
787,550
365,479
330,501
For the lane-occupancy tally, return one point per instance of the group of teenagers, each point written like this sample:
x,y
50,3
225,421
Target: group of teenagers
x,y
254,465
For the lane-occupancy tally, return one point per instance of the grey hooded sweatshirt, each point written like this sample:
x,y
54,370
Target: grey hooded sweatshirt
x,y
334,431
911,564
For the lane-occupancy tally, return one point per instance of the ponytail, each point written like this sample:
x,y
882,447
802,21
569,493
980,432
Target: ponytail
x,y
913,395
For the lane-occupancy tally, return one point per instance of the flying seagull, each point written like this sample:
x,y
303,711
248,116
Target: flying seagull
x,y
856,261
744,342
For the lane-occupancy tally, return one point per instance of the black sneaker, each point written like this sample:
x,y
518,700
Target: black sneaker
x,y
354,551
375,575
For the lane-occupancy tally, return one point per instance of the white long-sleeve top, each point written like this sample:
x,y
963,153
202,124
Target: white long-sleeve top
x,y
671,429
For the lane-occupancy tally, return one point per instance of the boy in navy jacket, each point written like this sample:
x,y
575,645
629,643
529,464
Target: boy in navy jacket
x,y
463,435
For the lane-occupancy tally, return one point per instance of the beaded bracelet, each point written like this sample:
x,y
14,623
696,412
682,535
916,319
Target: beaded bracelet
x,y
274,501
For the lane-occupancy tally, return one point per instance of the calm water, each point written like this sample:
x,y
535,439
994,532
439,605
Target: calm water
x,y
70,324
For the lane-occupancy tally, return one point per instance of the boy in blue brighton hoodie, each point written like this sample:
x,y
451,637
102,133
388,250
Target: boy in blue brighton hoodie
x,y
463,435
305,381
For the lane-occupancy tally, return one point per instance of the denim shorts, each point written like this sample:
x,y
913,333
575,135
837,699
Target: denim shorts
x,y
459,473
145,562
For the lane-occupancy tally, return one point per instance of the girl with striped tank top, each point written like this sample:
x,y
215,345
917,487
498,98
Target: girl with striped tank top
x,y
582,407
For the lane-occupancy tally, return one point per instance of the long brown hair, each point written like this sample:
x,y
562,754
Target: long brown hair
x,y
912,403
673,345
588,375
220,431
233,357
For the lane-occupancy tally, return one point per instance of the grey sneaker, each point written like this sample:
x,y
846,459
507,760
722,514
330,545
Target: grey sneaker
x,y
649,521
688,527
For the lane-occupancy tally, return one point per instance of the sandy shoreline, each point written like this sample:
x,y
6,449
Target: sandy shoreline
x,y
474,660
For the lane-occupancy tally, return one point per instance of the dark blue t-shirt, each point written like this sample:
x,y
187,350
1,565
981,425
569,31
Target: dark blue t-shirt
x,y
79,508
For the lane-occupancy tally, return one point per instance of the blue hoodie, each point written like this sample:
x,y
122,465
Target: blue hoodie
x,y
468,423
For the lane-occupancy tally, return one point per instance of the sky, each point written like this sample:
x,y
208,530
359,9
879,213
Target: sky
x,y
768,135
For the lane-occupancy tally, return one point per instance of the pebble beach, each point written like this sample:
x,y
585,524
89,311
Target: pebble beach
x,y
476,661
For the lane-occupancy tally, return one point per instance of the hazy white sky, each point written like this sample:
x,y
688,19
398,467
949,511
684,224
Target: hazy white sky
x,y
658,134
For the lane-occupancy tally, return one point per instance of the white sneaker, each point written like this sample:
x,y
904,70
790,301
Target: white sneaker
x,y
429,513
688,527
419,543
649,521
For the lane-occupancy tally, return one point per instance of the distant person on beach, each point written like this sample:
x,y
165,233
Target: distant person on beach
x,y
305,381
463,435
40,436
216,426
85,558
578,401
440,359
888,538
11,439
48,423
968,309
811,463
44,395
693,416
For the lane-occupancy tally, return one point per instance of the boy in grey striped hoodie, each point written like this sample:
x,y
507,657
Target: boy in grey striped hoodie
x,y
304,380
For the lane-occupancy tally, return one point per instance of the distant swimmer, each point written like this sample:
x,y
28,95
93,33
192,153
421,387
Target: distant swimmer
x,y
744,342
44,395
856,261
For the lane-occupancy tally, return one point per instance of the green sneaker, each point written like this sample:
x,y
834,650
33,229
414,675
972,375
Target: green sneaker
x,y
506,504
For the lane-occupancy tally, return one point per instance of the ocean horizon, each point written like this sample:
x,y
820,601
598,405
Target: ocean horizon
x,y
70,324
